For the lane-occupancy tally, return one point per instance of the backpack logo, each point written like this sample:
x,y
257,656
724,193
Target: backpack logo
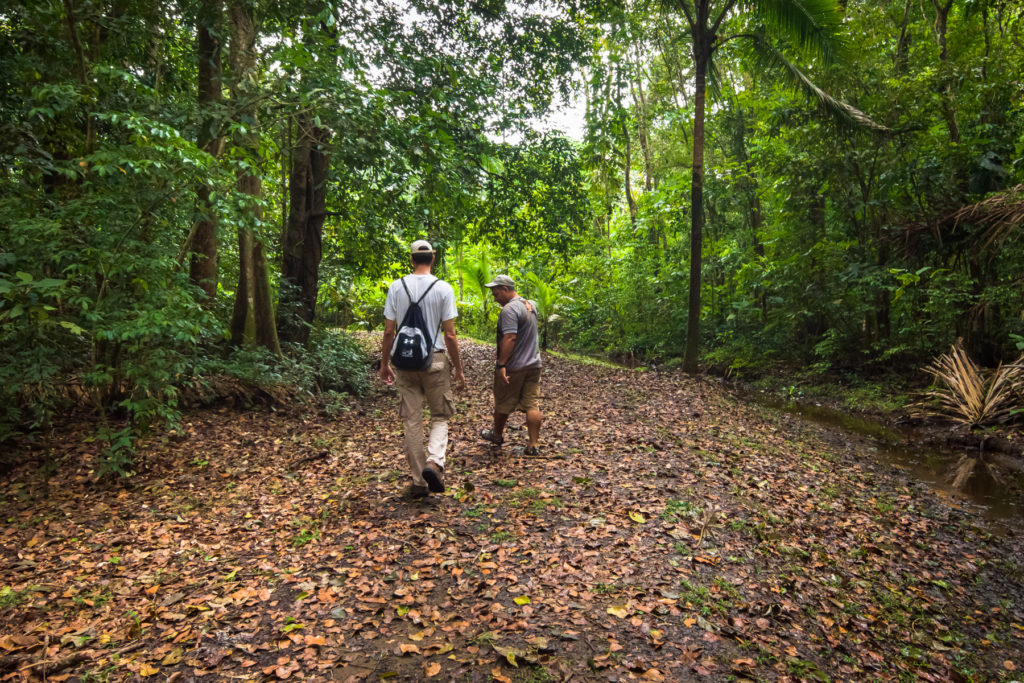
x,y
413,343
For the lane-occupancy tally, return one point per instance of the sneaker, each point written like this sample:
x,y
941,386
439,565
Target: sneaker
x,y
432,475
531,451
488,435
418,491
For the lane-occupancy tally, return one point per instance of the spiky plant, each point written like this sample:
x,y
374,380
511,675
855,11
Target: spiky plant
x,y
968,395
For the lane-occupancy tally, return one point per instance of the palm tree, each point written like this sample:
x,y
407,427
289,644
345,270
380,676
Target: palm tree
x,y
810,27
478,272
549,302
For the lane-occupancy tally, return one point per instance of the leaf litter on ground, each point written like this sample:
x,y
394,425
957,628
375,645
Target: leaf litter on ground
x,y
669,533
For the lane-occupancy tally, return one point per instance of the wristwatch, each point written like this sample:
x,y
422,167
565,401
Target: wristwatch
x,y
498,366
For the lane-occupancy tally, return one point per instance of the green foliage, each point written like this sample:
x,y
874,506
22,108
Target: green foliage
x,y
825,247
331,363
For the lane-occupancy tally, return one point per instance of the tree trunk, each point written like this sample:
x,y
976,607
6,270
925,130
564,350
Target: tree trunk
x,y
697,205
202,244
903,45
253,319
242,318
949,108
641,119
626,173
83,76
301,243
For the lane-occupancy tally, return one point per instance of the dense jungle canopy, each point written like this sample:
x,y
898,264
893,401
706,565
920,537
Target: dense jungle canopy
x,y
191,192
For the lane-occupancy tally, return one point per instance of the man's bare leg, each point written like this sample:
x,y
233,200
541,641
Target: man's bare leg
x,y
533,422
499,425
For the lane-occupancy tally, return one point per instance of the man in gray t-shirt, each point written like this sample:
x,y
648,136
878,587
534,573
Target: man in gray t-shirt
x,y
518,367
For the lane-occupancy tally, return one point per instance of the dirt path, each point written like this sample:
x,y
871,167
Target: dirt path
x,y
667,533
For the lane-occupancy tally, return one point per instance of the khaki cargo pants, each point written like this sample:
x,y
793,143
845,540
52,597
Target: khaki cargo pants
x,y
434,385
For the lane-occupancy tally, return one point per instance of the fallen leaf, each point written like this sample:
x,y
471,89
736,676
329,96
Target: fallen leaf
x,y
619,611
432,669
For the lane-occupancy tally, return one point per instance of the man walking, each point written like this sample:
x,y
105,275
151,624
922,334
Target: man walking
x,y
518,366
433,383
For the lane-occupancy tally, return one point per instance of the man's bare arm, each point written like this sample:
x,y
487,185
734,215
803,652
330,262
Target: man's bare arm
x,y
505,347
451,342
387,375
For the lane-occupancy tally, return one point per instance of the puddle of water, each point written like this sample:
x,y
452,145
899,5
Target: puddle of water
x,y
897,447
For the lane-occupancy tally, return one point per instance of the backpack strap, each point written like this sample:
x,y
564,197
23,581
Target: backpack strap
x,y
420,300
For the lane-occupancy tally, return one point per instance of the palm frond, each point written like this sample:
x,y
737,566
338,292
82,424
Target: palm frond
x,y
1000,214
810,24
544,294
477,272
771,59
714,79
965,394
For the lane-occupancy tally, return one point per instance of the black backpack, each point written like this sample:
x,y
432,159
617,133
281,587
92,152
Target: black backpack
x,y
414,343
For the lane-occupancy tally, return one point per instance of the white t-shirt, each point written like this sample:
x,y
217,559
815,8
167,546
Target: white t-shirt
x,y
437,306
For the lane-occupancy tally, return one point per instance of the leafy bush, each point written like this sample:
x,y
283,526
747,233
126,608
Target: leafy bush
x,y
331,362
336,361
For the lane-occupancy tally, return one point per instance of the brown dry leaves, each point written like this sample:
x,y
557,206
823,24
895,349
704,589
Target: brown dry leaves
x,y
669,532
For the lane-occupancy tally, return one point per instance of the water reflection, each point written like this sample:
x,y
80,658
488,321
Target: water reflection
x,y
902,448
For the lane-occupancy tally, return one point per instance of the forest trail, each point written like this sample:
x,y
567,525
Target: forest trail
x,y
668,532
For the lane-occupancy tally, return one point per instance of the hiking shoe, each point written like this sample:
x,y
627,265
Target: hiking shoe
x,y
432,475
488,435
531,451
418,491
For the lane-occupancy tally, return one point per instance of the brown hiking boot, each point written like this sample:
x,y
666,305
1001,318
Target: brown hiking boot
x,y
432,475
418,491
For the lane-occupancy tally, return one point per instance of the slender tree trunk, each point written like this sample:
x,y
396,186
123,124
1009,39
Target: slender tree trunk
x,y
988,42
697,206
253,317
903,45
242,319
949,107
640,101
626,168
203,241
83,75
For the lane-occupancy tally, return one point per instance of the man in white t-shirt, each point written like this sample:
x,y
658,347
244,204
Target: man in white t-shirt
x,y
433,383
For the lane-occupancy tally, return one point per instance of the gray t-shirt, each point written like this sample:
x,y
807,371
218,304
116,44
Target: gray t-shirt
x,y
437,306
516,319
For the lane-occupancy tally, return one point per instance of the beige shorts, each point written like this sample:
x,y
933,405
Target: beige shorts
x,y
522,391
